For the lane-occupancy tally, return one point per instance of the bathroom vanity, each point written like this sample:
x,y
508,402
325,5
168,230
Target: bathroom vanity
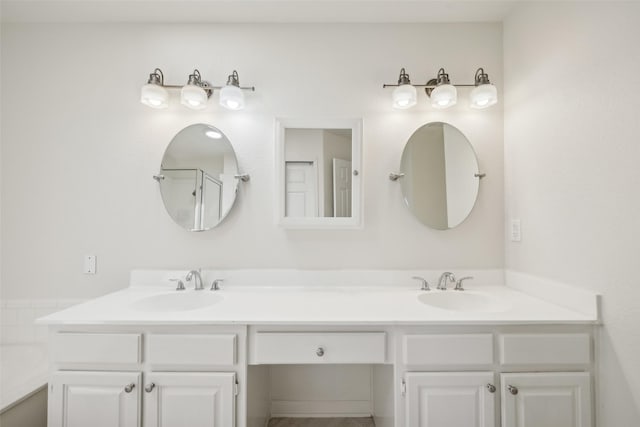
x,y
488,356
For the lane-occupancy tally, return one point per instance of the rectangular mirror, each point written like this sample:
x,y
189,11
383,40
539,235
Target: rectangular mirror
x,y
319,177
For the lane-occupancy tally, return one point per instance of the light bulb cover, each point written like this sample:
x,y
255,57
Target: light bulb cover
x,y
484,96
193,97
444,96
154,96
231,97
404,96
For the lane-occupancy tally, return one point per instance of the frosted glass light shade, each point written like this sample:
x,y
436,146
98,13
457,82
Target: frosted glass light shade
x,y
154,96
231,97
194,97
404,96
444,96
484,96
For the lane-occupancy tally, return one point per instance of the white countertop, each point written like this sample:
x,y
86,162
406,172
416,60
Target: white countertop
x,y
315,305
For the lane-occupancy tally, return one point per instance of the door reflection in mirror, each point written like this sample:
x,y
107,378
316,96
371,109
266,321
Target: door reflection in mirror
x,y
318,172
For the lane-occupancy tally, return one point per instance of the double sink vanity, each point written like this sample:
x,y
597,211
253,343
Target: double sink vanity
x,y
489,355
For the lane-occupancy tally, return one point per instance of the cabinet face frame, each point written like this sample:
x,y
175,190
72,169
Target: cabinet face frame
x,y
395,333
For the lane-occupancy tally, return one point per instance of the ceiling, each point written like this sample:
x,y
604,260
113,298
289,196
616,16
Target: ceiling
x,y
267,11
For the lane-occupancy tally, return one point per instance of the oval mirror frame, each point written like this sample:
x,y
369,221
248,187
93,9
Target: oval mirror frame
x,y
199,177
440,178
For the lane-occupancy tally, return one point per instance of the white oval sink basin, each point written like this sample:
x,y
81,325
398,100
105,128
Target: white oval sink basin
x,y
178,301
463,301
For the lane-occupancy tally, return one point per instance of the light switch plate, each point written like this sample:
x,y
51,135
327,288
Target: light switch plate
x,y
516,230
89,264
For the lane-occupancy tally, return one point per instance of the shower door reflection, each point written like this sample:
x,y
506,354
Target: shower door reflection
x,y
194,197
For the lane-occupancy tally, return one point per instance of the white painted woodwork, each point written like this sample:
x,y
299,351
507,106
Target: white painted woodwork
x,y
283,219
190,399
439,350
95,399
545,349
67,348
450,399
301,188
337,347
191,350
336,390
341,188
547,400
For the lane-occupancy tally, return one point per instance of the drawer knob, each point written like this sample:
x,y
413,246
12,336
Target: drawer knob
x,y
320,352
129,388
150,388
491,388
513,390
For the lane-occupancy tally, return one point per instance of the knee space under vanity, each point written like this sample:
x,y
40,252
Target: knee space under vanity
x,y
320,395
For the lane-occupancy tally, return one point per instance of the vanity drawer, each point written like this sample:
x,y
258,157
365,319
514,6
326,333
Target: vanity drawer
x,y
441,350
191,350
78,348
319,347
545,349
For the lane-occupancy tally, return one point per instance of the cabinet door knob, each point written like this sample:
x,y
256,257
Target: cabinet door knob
x,y
320,352
149,388
513,390
491,388
129,388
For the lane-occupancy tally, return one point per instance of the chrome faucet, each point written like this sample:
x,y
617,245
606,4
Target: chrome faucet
x,y
215,286
444,278
459,286
197,281
425,284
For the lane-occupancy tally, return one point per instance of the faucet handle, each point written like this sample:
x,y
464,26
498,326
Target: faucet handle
x,y
215,286
180,286
459,286
425,284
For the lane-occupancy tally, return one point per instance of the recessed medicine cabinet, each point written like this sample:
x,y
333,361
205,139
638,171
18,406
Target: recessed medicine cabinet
x,y
439,176
319,173
199,177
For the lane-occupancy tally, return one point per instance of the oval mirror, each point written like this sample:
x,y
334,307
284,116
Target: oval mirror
x,y
440,182
198,177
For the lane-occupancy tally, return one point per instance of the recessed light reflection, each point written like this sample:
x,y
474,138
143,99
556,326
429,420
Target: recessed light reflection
x,y
213,134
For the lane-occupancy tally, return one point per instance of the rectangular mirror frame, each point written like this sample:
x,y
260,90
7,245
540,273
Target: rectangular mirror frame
x,y
324,223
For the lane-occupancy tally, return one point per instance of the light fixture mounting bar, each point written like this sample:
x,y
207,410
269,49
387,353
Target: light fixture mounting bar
x,y
251,88
384,86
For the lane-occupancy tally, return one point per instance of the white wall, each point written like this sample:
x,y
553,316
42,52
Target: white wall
x,y
79,149
572,149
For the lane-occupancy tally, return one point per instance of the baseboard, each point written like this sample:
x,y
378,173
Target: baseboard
x,y
321,409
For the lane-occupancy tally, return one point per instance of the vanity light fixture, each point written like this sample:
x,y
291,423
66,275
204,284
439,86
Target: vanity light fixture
x,y
405,95
153,94
442,93
231,96
485,94
195,94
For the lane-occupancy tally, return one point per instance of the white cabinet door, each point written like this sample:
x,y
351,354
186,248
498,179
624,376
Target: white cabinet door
x,y
450,399
179,399
96,399
546,399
